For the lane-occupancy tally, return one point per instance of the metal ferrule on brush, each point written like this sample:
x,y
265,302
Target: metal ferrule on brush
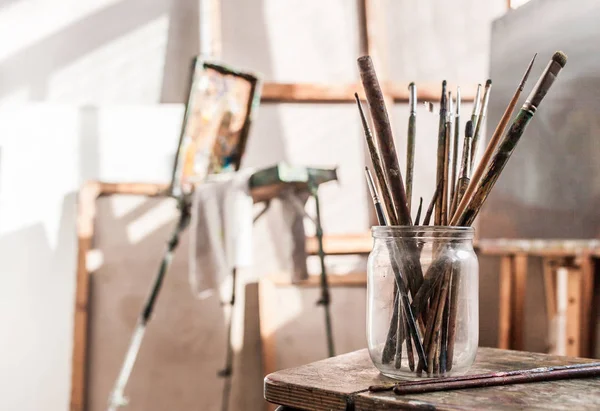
x,y
412,98
486,99
543,85
477,101
371,185
450,112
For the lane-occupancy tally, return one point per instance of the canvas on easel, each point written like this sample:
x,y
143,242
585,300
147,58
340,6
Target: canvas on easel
x,y
216,123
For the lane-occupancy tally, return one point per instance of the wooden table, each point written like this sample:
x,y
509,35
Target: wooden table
x,y
341,383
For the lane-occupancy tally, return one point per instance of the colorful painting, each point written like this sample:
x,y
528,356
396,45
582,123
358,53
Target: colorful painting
x,y
216,124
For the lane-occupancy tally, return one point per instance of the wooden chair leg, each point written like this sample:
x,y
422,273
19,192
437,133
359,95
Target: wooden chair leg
x,y
504,323
587,302
520,283
574,310
550,293
562,302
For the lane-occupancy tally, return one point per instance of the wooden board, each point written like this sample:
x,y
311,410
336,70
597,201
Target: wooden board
x,y
344,93
538,247
342,244
341,383
314,280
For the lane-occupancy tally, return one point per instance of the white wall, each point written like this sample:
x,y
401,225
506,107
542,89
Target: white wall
x,y
47,151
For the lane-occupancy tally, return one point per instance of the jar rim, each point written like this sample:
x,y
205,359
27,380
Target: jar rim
x,y
438,232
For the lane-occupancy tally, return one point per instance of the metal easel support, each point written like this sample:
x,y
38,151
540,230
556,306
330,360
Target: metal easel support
x,y
325,299
117,398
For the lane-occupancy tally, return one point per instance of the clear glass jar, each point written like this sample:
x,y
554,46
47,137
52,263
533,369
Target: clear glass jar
x,y
422,301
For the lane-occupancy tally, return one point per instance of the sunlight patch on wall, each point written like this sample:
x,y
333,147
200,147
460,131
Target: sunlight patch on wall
x,y
25,23
128,69
154,219
517,3
126,205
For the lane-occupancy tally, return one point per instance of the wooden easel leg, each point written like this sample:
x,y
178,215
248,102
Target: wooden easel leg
x,y
504,323
520,283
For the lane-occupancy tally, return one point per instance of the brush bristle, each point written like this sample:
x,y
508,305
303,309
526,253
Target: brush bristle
x,y
444,83
488,83
412,84
560,58
469,129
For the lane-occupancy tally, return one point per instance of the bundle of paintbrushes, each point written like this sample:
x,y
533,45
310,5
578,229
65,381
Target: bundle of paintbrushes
x,y
424,317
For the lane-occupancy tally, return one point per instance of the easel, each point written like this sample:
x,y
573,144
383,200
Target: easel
x,y
208,81
274,182
269,183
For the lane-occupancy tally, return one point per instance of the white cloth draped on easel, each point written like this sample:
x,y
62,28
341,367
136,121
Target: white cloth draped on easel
x,y
220,230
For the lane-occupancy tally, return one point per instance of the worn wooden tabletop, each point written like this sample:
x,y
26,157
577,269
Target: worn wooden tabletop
x,y
341,383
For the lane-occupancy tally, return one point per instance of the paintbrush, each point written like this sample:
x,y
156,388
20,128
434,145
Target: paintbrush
x,y
441,156
491,147
582,370
480,120
512,137
376,161
448,139
465,169
429,211
389,162
409,261
455,146
378,208
410,141
476,107
385,138
418,217
501,378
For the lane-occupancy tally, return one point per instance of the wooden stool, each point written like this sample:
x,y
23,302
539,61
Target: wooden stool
x,y
569,286
568,267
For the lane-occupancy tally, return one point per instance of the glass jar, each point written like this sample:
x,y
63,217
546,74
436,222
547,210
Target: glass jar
x,y
422,301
